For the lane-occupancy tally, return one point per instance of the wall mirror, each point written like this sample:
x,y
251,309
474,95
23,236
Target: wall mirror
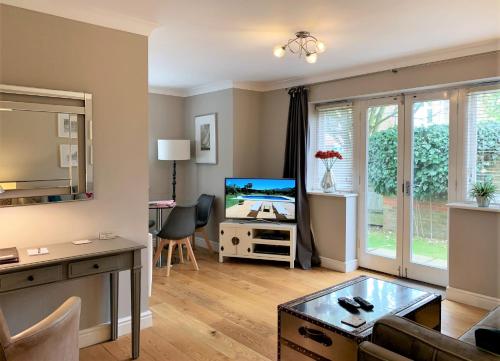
x,y
45,146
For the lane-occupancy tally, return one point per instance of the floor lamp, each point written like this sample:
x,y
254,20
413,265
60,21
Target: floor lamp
x,y
174,149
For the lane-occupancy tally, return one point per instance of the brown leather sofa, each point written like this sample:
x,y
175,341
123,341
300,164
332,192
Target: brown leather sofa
x,y
55,338
398,339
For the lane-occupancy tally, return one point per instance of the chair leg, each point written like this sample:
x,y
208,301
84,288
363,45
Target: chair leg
x,y
192,258
207,241
171,245
181,253
159,246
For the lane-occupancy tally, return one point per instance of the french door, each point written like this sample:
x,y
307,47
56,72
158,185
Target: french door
x,y
408,176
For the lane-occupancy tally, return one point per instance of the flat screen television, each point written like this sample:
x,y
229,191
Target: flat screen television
x,y
266,199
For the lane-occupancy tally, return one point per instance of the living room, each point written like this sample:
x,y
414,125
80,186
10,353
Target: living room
x,y
323,153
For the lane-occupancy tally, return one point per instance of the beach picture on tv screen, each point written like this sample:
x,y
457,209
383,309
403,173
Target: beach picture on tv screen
x,y
271,199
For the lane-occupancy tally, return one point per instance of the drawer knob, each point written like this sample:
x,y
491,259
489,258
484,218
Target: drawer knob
x,y
315,335
96,266
248,233
249,250
31,278
222,248
235,241
222,232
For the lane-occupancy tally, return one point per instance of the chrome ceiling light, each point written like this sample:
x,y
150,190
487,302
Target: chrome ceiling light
x,y
303,44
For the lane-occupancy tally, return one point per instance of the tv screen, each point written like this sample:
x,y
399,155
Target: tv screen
x,y
261,199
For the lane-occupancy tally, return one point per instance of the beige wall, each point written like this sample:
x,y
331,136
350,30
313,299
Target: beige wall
x,y
166,121
209,178
474,251
44,51
247,109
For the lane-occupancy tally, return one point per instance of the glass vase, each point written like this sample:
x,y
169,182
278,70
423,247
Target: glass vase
x,y
328,182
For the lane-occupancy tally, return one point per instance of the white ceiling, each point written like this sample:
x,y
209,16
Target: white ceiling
x,y
202,44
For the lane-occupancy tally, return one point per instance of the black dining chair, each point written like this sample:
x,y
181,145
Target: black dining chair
x,y
177,231
204,208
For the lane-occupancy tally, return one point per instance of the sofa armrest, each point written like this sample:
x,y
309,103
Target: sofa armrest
x,y
368,351
420,343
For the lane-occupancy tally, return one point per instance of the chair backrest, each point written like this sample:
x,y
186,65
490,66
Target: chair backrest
x,y
181,223
205,204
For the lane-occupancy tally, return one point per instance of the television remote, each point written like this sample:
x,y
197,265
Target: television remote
x,y
365,305
349,304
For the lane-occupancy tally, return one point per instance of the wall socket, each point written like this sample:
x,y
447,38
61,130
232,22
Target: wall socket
x,y
106,235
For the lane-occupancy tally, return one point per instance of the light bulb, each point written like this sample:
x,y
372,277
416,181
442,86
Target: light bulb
x,y
279,51
320,46
311,58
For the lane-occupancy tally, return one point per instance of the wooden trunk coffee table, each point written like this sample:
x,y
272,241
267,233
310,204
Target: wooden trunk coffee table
x,y
310,327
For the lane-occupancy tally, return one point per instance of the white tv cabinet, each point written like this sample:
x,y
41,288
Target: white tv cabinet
x,y
258,240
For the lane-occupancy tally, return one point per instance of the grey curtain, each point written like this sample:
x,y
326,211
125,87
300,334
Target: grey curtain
x,y
295,167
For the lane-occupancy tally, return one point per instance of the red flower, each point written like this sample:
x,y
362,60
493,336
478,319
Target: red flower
x,y
321,154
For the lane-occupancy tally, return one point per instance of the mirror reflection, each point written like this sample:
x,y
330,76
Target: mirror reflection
x,y
44,151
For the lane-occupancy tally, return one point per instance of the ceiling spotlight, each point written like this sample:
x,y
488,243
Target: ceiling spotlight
x,y
303,44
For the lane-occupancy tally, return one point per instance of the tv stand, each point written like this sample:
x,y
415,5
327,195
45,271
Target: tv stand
x,y
258,240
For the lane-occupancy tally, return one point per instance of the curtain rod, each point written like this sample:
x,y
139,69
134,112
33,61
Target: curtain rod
x,y
396,70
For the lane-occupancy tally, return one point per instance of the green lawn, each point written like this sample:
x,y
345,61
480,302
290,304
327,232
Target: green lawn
x,y
421,246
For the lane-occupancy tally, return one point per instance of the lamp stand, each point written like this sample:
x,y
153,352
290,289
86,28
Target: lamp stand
x,y
174,182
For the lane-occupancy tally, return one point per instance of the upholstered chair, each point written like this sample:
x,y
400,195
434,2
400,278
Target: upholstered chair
x,y
55,338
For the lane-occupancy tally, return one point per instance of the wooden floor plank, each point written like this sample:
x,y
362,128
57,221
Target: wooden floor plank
x,y
228,311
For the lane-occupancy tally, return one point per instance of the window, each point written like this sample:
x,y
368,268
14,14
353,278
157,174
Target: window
x,y
482,148
332,129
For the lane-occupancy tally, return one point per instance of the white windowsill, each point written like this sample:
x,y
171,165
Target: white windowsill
x,y
335,194
495,208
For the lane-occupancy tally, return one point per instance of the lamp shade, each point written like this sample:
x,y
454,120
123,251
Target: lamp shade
x,y
174,149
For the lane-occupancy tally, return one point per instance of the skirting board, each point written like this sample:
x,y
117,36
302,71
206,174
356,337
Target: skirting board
x,y
341,266
102,333
471,298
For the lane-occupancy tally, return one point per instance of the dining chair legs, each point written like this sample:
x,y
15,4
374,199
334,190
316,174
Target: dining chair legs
x,y
171,246
159,246
181,253
192,258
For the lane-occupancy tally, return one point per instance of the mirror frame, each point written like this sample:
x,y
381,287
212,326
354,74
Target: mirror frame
x,y
35,196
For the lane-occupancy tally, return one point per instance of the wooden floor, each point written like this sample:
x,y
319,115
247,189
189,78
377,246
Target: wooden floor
x,y
228,311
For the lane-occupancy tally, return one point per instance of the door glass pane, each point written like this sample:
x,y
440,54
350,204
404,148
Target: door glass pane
x,y
382,180
429,243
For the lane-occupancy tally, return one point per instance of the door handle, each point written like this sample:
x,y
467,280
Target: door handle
x,y
408,188
315,335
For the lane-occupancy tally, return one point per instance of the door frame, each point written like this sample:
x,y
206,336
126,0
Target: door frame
x,y
413,270
367,260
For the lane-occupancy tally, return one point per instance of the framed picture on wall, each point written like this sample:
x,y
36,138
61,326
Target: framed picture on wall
x,y
206,138
68,155
67,125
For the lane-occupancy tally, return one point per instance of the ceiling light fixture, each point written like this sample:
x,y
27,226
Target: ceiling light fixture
x,y
303,44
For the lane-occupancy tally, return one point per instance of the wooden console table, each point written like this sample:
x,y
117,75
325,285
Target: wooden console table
x,y
66,261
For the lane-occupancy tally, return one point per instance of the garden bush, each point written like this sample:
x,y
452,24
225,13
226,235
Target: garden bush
x,y
430,158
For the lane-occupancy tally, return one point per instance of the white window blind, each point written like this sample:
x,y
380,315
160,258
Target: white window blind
x,y
332,130
482,149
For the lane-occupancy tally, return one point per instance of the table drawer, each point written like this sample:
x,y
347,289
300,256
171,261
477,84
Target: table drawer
x,y
316,339
99,265
39,276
